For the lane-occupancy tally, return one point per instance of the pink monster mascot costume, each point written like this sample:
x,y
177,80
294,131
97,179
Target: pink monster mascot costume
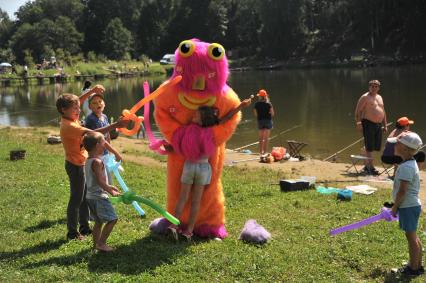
x,y
204,70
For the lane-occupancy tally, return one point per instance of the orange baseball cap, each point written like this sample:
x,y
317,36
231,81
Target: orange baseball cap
x,y
262,93
404,121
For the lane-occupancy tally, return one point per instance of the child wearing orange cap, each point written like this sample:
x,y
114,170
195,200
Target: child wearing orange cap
x,y
388,156
264,111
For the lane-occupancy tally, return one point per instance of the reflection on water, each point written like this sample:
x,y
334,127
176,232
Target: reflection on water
x,y
322,101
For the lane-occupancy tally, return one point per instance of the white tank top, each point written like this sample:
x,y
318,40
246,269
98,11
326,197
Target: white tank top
x,y
94,191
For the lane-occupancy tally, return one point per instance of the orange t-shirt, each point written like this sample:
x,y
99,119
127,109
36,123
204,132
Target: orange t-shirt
x,y
72,139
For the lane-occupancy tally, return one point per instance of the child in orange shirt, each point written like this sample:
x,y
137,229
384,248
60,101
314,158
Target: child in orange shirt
x,y
71,132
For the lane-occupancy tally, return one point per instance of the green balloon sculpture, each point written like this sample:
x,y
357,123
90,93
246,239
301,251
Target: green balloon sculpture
x,y
128,197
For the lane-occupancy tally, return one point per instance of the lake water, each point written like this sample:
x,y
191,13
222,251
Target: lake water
x,y
321,101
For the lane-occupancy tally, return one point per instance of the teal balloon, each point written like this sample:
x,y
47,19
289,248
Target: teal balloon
x,y
112,166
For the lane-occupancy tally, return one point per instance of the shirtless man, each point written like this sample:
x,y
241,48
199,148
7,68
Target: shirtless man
x,y
370,118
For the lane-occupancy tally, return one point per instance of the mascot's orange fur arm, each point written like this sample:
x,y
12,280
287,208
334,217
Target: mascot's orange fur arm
x,y
165,122
224,131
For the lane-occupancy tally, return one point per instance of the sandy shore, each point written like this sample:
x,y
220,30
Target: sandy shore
x,y
325,172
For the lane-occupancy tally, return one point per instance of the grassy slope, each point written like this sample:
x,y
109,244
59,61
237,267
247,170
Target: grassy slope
x,y
93,68
34,195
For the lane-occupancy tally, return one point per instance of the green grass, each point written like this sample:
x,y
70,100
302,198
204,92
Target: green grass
x,y
94,68
34,195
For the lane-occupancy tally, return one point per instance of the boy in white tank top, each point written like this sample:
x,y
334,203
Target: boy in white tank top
x,y
97,191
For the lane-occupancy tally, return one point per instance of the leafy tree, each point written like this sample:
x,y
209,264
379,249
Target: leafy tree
x,y
277,29
91,56
153,27
117,40
99,13
23,39
6,28
186,23
28,58
6,55
52,9
243,27
282,27
35,11
66,36
45,36
29,13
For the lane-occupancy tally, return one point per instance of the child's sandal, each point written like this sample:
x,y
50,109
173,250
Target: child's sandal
x,y
174,230
188,235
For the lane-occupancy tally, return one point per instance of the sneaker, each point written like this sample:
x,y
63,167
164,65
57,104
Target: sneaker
x,y
406,270
86,232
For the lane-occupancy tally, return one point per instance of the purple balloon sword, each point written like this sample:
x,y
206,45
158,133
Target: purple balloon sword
x,y
384,214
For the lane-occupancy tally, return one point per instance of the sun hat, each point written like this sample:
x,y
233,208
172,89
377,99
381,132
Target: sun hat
x,y
409,139
404,121
262,93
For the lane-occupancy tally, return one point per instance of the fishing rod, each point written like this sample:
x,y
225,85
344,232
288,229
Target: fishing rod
x,y
352,144
254,143
326,182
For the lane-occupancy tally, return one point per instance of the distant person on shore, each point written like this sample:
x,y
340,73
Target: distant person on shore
x,y
388,156
370,118
25,71
264,111
86,108
71,132
98,186
405,195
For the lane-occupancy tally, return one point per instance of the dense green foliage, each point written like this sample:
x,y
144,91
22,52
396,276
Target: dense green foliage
x,y
278,29
35,191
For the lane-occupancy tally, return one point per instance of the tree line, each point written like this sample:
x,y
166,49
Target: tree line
x,y
275,29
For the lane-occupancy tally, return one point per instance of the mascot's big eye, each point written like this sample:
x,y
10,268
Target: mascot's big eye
x,y
186,48
216,51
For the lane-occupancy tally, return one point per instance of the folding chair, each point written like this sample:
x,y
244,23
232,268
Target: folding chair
x,y
388,169
294,148
355,159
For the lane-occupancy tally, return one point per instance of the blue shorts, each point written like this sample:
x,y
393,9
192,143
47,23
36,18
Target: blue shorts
x,y
196,173
409,218
101,210
264,124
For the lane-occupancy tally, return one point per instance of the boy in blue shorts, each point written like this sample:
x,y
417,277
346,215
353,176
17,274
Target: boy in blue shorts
x,y
97,188
406,198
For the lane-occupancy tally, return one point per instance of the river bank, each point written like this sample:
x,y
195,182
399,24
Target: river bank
x,y
80,71
357,61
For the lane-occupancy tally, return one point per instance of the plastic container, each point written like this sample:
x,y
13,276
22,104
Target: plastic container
x,y
293,185
310,179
